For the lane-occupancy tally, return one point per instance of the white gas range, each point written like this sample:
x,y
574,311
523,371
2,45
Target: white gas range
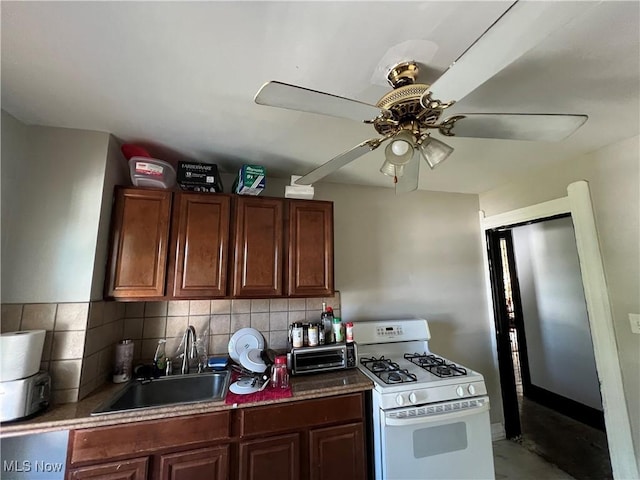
x,y
430,415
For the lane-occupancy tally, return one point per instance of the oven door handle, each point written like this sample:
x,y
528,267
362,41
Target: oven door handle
x,y
436,417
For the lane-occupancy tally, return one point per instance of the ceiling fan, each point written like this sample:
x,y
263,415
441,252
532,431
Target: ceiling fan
x,y
408,114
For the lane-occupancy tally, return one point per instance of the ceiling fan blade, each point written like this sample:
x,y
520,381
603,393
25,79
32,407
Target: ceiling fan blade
x,y
514,126
408,182
338,162
283,95
518,30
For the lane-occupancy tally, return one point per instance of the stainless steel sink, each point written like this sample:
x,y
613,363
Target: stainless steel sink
x,y
163,391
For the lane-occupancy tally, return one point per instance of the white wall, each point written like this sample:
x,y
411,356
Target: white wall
x,y
14,142
53,194
419,255
116,173
558,338
613,174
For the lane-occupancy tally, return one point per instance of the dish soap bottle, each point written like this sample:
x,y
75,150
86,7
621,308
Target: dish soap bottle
x,y
160,358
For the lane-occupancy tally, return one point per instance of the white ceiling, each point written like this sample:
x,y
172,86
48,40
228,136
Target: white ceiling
x,y
180,77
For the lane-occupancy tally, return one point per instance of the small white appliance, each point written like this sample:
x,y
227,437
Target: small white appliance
x,y
23,389
24,397
430,415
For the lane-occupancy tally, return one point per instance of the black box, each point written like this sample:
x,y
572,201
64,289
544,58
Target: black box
x,y
199,177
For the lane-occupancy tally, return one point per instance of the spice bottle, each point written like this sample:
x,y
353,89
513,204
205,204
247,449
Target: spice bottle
x,y
349,328
279,373
297,335
305,334
313,335
337,330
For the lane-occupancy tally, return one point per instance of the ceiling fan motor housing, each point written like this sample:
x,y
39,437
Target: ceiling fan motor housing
x,y
405,106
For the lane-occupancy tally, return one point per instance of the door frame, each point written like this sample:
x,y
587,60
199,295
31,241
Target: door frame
x,y
616,415
510,411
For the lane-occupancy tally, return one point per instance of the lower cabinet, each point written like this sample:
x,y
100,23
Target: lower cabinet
x,y
309,439
134,469
273,457
204,463
337,452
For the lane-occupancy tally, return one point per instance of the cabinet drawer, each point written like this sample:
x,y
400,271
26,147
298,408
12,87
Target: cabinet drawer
x,y
290,416
93,444
134,469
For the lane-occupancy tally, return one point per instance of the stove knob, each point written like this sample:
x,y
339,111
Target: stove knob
x,y
413,398
400,400
460,391
471,390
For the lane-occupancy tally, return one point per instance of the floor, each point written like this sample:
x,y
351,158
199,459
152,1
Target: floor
x,y
551,445
514,461
576,448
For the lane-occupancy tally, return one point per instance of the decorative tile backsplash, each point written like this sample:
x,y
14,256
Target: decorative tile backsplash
x,y
79,343
215,321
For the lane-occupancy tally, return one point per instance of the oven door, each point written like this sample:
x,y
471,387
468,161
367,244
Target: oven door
x,y
449,440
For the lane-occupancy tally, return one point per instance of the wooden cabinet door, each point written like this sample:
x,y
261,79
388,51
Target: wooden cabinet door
x,y
134,469
337,452
310,248
139,236
200,235
202,464
258,238
272,457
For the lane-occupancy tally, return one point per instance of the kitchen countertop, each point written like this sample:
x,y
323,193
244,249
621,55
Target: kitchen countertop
x,y
71,416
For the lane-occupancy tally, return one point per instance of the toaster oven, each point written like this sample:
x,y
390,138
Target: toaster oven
x,y
323,358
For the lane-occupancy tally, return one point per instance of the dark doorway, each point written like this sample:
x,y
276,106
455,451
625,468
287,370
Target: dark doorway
x,y
559,428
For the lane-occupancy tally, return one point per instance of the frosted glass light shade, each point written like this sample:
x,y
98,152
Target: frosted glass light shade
x,y
434,151
400,149
392,170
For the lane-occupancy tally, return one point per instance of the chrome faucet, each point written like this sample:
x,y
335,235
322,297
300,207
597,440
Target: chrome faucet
x,y
190,352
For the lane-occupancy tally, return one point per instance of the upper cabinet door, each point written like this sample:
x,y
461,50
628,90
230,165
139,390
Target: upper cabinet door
x,y
200,240
310,248
138,254
258,247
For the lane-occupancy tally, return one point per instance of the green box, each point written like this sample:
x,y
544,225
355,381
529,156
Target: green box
x,y
251,180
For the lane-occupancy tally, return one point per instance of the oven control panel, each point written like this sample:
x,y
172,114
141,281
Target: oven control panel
x,y
389,331
422,396
386,331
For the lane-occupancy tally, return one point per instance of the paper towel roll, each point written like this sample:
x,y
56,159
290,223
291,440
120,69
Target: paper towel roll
x,y
21,353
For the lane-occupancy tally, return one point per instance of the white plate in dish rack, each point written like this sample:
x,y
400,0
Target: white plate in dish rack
x,y
244,339
245,386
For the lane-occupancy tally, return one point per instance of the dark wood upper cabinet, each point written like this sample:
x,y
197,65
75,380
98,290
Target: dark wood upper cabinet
x,y
258,241
189,245
310,248
139,238
199,245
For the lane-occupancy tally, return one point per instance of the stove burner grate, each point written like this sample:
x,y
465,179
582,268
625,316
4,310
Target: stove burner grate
x,y
436,365
387,370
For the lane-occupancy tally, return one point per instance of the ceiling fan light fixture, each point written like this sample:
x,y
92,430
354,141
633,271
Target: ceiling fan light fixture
x,y
392,170
434,151
400,149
